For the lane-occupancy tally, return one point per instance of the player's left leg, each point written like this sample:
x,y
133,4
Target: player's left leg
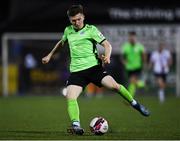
x,y
161,93
135,82
110,83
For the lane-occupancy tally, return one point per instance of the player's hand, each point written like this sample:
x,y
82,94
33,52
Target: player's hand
x,y
46,59
105,59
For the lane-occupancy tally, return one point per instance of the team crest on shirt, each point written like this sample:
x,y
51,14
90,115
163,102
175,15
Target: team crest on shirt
x,y
82,32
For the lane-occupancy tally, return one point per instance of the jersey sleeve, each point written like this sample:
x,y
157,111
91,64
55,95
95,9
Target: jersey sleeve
x,y
123,48
142,49
97,35
64,37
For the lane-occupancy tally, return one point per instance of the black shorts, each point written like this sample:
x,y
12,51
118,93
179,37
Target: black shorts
x,y
161,75
136,72
82,78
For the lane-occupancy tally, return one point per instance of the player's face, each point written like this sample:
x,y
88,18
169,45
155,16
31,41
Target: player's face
x,y
132,39
77,21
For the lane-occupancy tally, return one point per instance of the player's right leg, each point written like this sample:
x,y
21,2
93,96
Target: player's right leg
x,y
73,92
132,74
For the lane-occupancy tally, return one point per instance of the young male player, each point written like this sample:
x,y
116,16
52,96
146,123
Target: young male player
x,y
85,67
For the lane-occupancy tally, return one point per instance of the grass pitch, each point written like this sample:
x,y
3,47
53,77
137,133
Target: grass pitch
x,y
46,118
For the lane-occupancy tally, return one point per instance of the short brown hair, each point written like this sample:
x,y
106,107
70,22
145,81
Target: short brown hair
x,y
132,33
74,10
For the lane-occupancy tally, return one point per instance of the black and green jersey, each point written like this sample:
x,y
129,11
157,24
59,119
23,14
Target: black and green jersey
x,y
82,44
133,55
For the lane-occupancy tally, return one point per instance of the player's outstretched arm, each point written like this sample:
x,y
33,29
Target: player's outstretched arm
x,y
108,49
47,58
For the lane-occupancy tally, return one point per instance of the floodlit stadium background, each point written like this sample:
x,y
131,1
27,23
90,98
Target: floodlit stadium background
x,y
30,29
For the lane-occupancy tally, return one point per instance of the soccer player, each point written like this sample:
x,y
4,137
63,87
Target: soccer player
x,y
85,67
134,57
160,61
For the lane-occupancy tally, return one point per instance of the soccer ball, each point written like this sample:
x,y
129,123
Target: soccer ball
x,y
98,125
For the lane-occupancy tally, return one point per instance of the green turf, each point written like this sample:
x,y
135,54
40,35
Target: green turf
x,y
46,118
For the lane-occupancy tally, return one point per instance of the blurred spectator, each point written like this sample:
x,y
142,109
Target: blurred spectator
x,y
133,58
160,62
93,90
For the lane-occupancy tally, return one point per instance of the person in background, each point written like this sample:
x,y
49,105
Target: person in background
x,y
134,58
93,90
160,62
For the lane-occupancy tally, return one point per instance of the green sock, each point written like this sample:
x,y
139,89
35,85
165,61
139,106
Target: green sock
x,y
73,109
124,93
140,84
132,89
